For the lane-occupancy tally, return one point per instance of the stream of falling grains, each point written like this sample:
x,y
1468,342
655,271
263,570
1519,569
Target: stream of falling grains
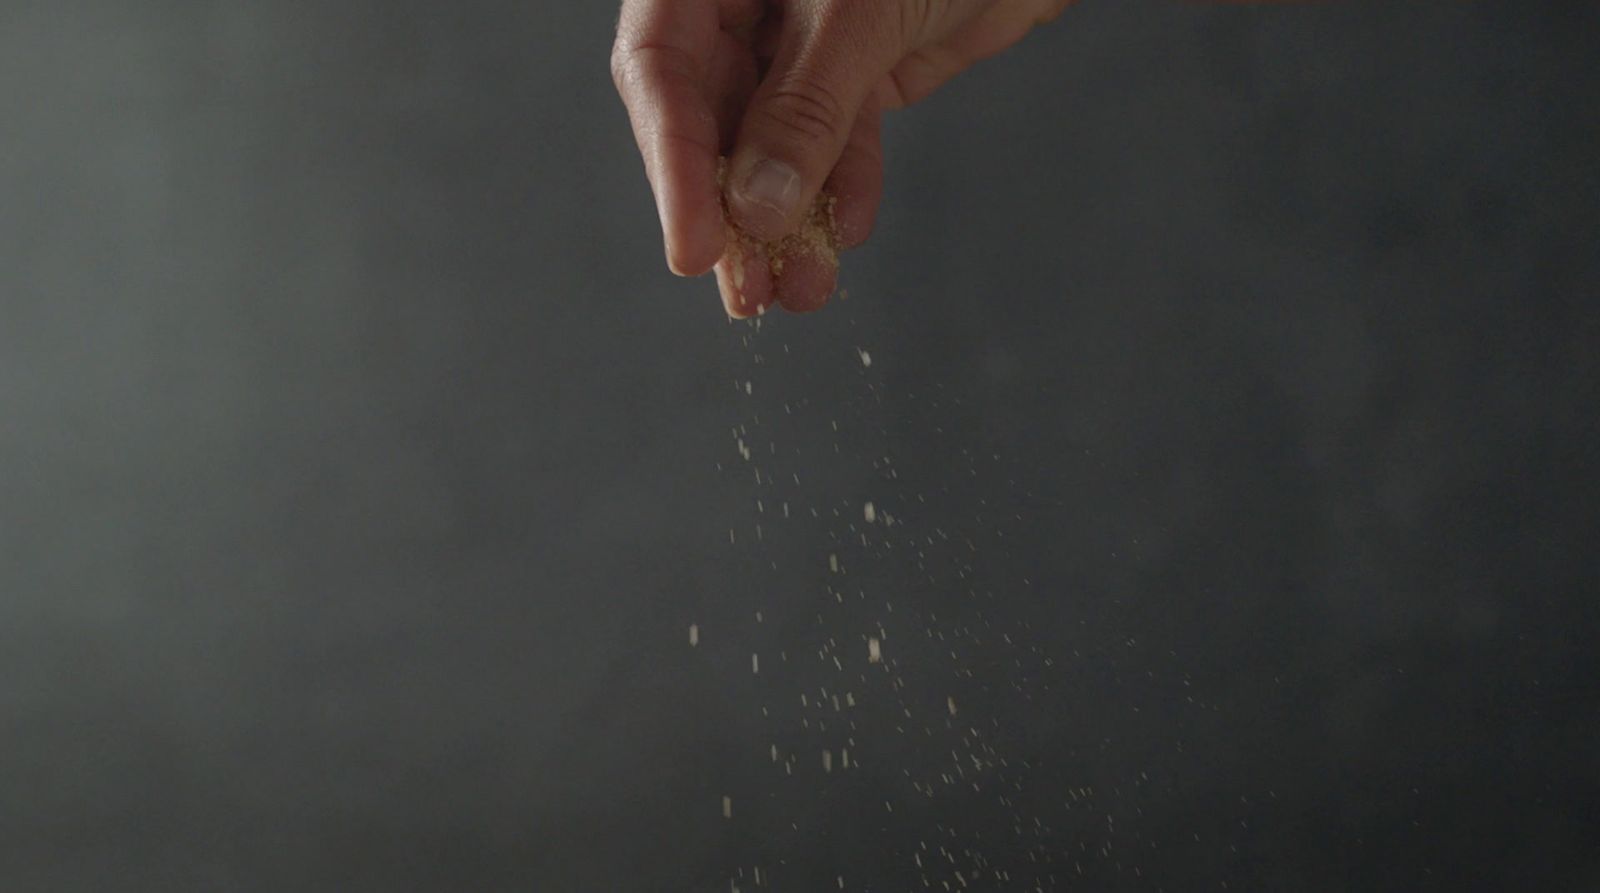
x,y
883,685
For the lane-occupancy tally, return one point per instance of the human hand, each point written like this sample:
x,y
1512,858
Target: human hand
x,y
791,91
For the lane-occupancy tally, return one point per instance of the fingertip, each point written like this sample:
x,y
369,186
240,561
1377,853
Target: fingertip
x,y
855,215
691,216
806,283
745,282
695,258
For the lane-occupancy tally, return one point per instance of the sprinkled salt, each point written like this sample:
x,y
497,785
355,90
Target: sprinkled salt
x,y
874,651
694,634
870,513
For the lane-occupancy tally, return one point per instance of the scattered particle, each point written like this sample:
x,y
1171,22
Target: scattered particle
x,y
727,807
874,651
694,634
866,358
870,513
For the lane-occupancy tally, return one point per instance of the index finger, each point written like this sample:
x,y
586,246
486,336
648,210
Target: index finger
x,y
659,63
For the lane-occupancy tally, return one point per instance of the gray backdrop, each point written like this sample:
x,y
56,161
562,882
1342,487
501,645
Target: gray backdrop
x,y
1233,390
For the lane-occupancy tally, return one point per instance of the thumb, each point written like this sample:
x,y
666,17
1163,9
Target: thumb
x,y
829,58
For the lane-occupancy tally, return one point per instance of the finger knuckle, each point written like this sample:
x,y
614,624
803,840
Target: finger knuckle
x,y
806,109
624,66
644,62
619,73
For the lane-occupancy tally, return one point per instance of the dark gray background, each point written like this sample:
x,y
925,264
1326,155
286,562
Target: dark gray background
x,y
359,463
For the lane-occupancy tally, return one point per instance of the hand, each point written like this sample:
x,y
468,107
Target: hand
x,y
792,92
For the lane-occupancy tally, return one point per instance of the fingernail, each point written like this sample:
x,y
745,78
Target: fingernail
x,y
770,194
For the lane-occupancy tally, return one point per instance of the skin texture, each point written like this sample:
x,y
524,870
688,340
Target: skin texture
x,y
803,83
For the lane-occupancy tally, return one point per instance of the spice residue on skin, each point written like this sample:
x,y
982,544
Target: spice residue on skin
x,y
817,237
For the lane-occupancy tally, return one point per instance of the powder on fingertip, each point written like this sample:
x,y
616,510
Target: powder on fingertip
x,y
817,237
